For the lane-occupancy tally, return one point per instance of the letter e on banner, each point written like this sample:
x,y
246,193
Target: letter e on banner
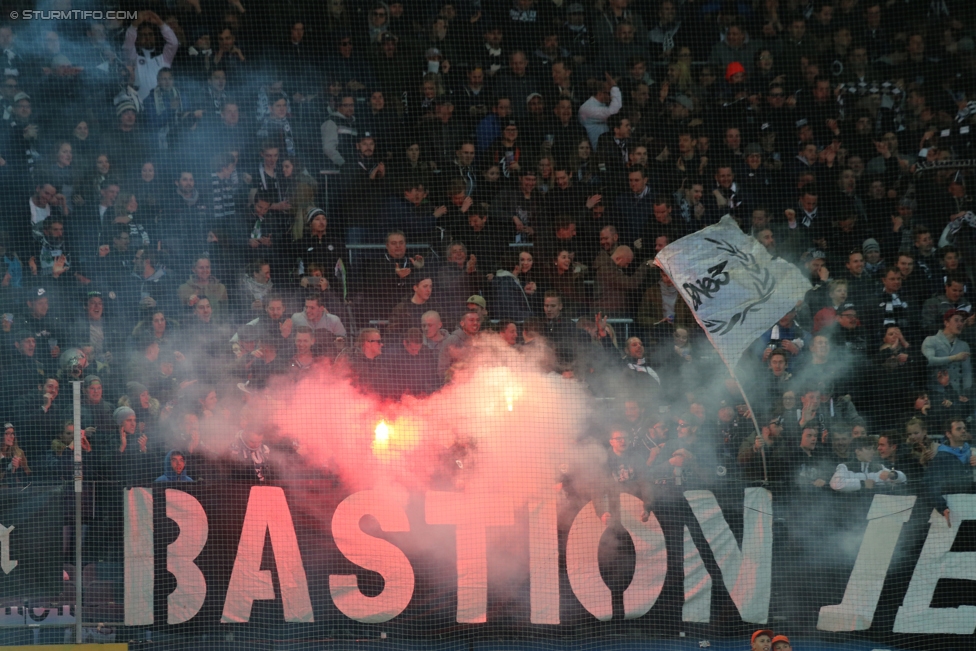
x,y
373,554
934,563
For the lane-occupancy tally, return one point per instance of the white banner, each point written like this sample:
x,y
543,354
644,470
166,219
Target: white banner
x,y
735,289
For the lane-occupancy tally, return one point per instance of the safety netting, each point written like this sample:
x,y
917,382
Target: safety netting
x,y
484,324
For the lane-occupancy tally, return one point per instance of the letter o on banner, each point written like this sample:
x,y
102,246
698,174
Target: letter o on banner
x,y
583,569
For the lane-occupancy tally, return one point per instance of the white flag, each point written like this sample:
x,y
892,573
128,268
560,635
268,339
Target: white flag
x,y
735,289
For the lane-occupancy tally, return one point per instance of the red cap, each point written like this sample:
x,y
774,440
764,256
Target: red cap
x,y
762,631
951,312
781,638
733,68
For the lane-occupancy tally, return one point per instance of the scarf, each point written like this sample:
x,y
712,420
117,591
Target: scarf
x,y
281,125
962,454
161,99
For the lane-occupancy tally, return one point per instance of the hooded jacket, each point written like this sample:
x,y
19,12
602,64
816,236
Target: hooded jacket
x,y
168,473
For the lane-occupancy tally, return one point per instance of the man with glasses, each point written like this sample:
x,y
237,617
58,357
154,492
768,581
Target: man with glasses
x,y
379,22
366,365
347,68
776,113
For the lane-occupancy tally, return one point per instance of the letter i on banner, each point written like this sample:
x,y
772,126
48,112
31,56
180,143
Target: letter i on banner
x,y
544,561
139,557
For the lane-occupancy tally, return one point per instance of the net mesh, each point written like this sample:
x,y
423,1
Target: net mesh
x,y
355,309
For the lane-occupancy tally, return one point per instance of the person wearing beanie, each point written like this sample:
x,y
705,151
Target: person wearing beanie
x,y
323,249
874,264
125,457
735,73
145,407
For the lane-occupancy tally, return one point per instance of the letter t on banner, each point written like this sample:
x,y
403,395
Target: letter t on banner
x,y
472,516
267,511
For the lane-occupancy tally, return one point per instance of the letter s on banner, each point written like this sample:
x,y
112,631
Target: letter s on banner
x,y
372,554
934,563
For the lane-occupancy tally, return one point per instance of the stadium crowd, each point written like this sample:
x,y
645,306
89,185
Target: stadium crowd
x,y
222,195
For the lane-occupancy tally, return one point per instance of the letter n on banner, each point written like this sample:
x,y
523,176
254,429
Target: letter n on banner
x,y
934,563
267,511
746,572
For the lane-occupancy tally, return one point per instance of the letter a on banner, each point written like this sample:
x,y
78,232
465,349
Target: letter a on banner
x,y
267,511
373,554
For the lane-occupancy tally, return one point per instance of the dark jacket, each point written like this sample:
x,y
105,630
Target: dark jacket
x,y
948,474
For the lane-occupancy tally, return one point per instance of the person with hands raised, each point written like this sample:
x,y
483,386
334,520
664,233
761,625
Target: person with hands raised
x,y
139,49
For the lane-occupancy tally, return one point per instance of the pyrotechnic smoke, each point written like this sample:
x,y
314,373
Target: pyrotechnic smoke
x,y
501,425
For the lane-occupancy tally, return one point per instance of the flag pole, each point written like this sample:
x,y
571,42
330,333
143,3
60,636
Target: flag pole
x,y
752,414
